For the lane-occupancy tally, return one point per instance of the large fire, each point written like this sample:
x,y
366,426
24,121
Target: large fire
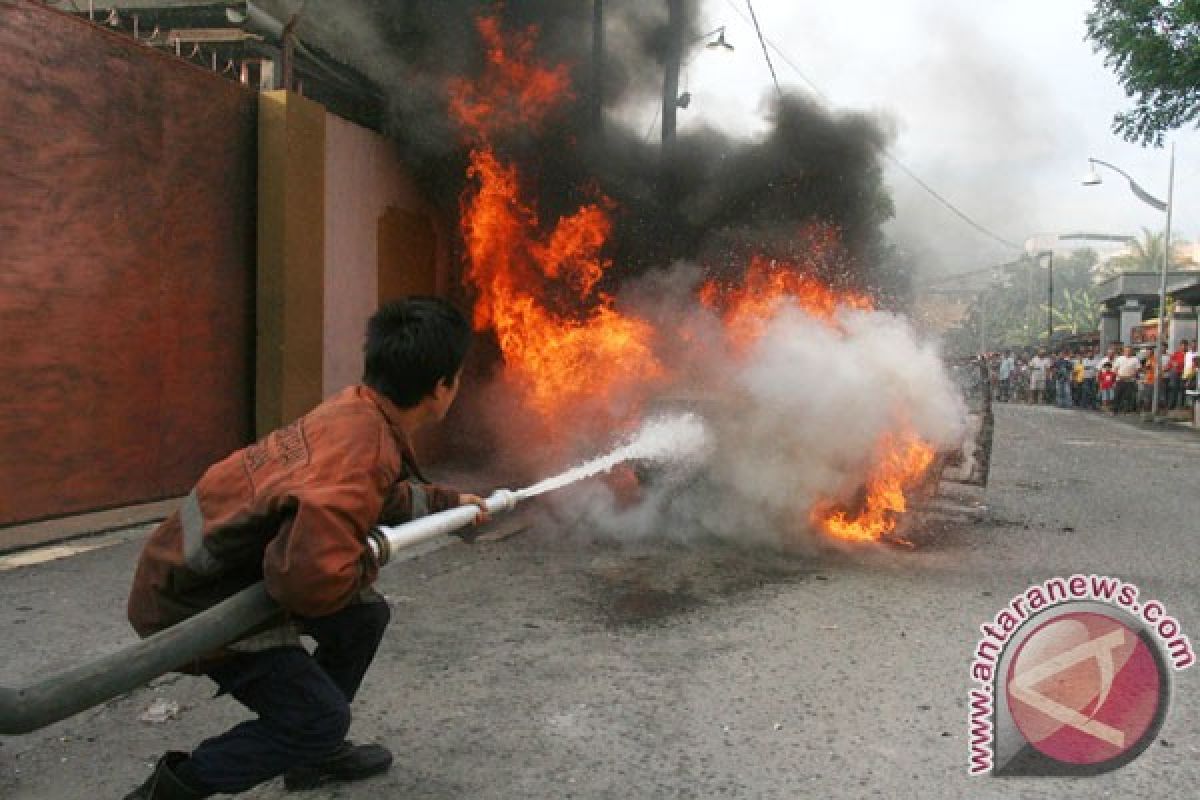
x,y
564,342
902,462
770,287
567,349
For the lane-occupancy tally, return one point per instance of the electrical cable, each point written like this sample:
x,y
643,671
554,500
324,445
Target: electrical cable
x,y
893,159
766,53
653,122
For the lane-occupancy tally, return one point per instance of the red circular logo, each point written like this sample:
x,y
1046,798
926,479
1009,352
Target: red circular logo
x,y
1085,688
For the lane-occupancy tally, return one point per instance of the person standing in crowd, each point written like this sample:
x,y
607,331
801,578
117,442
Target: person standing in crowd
x,y
1126,366
1062,380
1091,369
1020,381
1190,368
1173,375
1039,366
1005,374
1077,379
1106,379
1146,379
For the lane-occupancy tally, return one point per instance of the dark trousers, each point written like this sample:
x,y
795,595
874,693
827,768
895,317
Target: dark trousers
x,y
1126,396
1090,397
302,701
1174,391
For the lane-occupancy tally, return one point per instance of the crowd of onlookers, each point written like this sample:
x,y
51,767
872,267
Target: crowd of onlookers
x,y
1116,379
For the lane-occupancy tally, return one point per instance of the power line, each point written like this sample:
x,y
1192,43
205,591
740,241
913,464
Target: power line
x,y
766,53
893,159
960,214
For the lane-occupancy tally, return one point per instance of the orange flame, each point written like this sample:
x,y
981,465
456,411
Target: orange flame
x,y
565,345
746,310
515,91
770,286
902,462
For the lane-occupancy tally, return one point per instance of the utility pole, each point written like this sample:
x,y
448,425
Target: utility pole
x,y
672,61
1049,296
1029,317
983,331
598,67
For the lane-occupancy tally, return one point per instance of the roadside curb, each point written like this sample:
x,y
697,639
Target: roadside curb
x,y
59,530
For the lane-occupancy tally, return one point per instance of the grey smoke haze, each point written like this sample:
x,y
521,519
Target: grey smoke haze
x,y
796,422
999,116
997,105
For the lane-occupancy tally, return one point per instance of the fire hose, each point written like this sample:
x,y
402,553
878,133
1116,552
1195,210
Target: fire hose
x,y
78,689
678,438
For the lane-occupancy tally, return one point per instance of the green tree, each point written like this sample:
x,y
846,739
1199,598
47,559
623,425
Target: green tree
x,y
1076,311
1145,255
1154,48
1011,312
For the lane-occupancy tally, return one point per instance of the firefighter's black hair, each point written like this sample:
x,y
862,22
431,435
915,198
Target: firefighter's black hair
x,y
412,346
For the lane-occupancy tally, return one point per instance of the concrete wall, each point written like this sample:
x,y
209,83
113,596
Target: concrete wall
x,y
126,267
364,184
342,228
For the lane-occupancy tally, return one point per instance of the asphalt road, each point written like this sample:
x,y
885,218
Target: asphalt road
x,y
553,666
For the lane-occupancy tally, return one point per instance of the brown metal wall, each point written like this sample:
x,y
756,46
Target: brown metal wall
x,y
126,267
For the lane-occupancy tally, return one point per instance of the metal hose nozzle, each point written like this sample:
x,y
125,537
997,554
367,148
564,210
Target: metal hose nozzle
x,y
386,539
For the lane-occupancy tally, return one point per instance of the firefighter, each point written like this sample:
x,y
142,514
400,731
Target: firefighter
x,y
294,510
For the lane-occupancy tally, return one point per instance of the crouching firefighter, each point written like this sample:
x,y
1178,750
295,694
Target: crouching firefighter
x,y
294,511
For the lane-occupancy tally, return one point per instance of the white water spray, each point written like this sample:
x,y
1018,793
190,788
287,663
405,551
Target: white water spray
x,y
679,438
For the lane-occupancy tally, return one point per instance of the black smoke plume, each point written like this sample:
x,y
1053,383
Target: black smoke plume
x,y
714,202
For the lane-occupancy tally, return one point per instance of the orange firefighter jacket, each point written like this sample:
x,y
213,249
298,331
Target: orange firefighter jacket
x,y
294,510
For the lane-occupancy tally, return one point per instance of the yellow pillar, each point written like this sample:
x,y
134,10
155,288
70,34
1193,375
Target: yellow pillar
x,y
290,287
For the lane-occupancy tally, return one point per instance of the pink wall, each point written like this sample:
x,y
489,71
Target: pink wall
x,y
363,177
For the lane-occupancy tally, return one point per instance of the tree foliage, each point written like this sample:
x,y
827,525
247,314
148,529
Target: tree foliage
x,y
1145,255
1154,48
1012,311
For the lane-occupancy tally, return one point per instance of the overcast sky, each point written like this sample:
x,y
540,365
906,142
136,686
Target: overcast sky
x,y
996,105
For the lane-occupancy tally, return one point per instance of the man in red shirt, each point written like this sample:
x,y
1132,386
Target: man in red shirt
x,y
1174,376
293,510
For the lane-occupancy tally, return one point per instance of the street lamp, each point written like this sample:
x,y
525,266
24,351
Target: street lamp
x,y
719,43
1092,178
1049,254
672,99
1037,246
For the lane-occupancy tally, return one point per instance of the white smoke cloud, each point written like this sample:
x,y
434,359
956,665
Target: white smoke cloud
x,y
797,420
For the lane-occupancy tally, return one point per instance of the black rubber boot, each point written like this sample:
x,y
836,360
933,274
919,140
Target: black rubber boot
x,y
164,784
351,762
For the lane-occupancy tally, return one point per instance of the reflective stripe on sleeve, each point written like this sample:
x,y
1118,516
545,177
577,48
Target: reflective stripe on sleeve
x,y
195,554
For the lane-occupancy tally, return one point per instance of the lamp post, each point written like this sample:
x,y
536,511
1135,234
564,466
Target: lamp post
x,y
1092,178
671,99
1049,254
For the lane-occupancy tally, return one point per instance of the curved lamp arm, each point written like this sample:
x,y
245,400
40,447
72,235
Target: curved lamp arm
x,y
1141,193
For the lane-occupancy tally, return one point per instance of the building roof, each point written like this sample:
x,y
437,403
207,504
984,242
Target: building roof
x,y
1144,286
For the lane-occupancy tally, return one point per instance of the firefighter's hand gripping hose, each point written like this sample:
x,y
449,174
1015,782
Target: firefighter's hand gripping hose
x,y
679,438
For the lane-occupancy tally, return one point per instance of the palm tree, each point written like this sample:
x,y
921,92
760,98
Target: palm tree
x,y
1145,255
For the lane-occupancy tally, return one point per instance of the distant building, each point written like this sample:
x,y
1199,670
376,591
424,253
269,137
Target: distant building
x,y
1130,301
